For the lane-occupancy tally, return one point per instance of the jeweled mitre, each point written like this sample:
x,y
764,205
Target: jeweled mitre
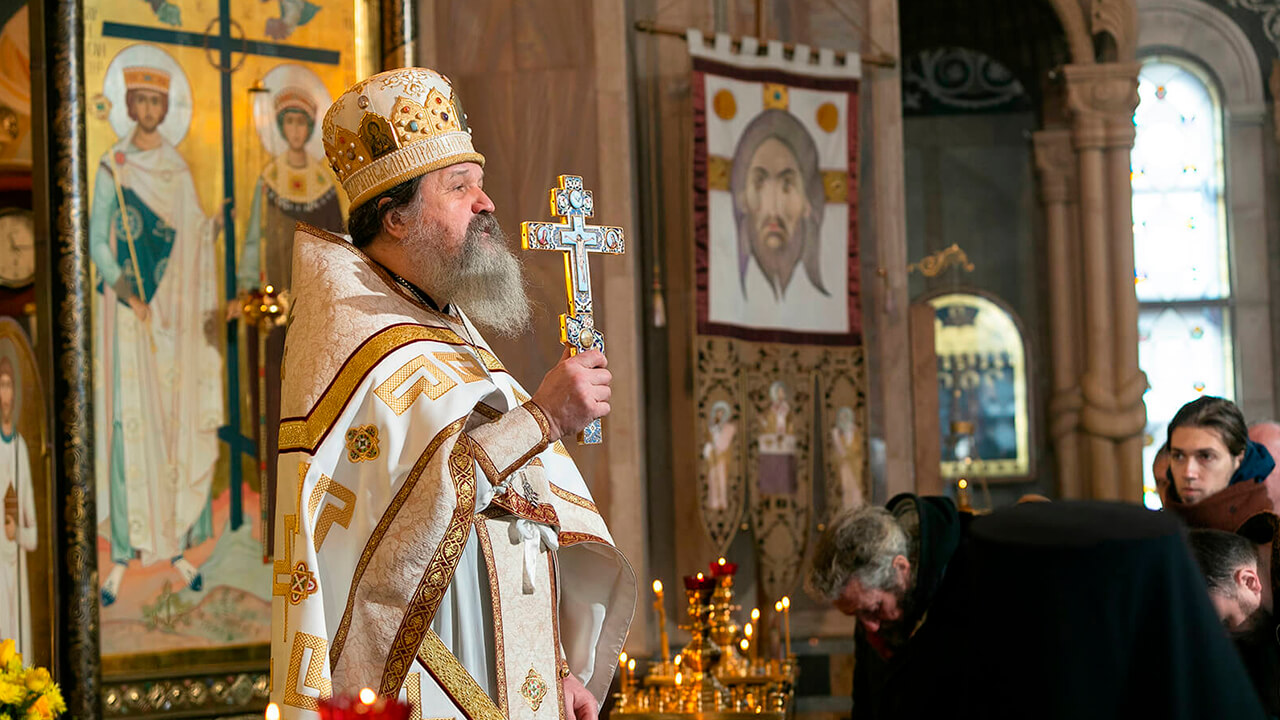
x,y
393,127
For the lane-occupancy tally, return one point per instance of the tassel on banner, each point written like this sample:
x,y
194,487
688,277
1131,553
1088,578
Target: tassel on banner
x,y
659,306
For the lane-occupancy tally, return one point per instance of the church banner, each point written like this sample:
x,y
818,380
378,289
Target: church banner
x,y
203,150
780,393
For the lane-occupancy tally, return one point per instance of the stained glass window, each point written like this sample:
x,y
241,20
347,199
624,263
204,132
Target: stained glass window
x,y
1181,272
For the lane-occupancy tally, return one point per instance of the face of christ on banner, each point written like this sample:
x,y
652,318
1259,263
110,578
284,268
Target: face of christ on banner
x,y
778,201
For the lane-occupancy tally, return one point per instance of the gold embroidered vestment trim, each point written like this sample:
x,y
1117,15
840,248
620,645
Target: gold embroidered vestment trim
x,y
437,576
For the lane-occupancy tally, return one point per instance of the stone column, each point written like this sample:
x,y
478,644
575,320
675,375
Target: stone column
x,y
1130,382
1055,166
1102,99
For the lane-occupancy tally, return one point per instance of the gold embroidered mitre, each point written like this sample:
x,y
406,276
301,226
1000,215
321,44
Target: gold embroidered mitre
x,y
393,127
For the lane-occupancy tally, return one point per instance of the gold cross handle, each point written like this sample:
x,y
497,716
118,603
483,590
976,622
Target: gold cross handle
x,y
576,239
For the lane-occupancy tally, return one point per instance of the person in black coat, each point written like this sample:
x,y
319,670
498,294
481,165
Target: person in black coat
x,y
1230,565
902,571
1057,611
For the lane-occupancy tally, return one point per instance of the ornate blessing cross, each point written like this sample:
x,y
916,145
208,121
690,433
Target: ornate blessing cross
x,y
576,239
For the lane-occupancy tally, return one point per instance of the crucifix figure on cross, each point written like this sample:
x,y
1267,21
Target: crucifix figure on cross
x,y
576,239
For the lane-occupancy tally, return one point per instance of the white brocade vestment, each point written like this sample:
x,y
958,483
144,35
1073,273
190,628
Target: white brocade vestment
x,y
431,543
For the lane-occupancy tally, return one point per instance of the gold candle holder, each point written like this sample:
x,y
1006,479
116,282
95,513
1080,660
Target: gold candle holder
x,y
703,680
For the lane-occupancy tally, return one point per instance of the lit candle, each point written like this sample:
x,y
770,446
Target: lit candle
x,y
660,605
745,644
367,696
622,670
748,631
777,609
679,678
273,712
700,577
962,494
631,671
786,622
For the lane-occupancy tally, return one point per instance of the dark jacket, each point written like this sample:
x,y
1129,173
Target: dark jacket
x,y
1260,651
1245,508
888,684
1097,611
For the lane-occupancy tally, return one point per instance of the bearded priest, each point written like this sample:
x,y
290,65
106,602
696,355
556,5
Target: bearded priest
x,y
434,541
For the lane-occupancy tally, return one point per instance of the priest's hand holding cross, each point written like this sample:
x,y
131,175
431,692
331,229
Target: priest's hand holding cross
x,y
575,393
584,343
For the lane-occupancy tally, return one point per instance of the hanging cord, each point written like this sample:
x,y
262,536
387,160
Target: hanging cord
x,y
659,302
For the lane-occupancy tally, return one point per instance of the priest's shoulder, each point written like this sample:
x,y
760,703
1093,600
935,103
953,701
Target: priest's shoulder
x,y
343,303
330,268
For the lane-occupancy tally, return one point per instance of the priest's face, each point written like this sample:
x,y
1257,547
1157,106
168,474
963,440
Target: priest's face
x,y
880,611
1200,462
461,252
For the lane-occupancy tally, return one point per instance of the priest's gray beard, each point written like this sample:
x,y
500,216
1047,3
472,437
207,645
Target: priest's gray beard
x,y
483,277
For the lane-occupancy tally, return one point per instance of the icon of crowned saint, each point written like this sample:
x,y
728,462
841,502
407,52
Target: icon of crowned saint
x,y
159,404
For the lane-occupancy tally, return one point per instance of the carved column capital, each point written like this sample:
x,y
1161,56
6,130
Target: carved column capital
x,y
1102,99
1120,19
1055,165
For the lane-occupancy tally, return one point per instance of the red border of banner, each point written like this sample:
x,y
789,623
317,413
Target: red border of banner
x,y
701,214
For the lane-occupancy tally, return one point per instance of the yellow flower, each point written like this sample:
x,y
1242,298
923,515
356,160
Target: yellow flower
x,y
11,693
54,694
7,651
37,679
40,709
